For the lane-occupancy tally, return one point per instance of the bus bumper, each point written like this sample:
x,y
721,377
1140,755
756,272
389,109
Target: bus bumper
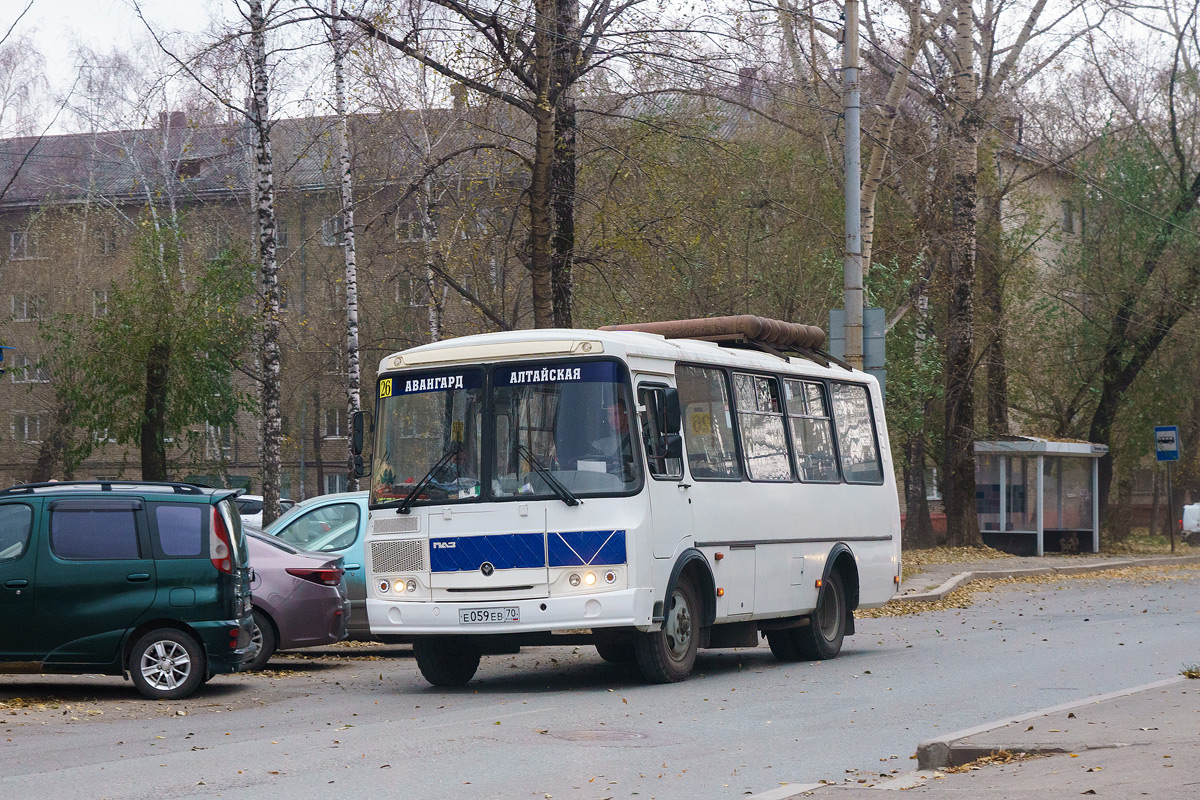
x,y
626,608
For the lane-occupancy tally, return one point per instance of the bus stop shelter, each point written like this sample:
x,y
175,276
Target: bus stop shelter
x,y
1031,493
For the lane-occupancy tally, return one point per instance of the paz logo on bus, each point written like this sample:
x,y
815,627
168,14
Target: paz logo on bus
x,y
444,545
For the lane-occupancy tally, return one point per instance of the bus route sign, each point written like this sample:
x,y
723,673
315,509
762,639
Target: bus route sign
x,y
1166,443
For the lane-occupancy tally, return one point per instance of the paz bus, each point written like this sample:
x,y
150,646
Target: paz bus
x,y
648,489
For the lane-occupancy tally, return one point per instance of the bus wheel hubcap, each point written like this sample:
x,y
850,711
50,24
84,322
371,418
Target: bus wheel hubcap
x,y
679,626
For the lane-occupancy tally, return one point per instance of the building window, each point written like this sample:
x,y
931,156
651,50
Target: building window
x,y
28,369
336,483
281,233
106,241
335,423
27,428
409,291
411,228
331,231
1068,216
100,302
22,244
219,440
27,307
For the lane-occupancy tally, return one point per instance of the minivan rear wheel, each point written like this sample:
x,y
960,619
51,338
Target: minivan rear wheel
x,y
167,664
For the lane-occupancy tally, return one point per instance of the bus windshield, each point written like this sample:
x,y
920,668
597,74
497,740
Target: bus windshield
x,y
570,420
426,418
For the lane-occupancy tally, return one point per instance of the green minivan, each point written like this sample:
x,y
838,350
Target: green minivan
x,y
146,580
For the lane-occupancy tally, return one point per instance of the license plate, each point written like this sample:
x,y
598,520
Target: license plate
x,y
469,616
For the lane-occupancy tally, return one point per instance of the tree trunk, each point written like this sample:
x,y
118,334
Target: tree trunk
x,y
991,285
272,428
353,376
55,446
1120,516
563,172
154,449
962,523
318,459
918,527
541,222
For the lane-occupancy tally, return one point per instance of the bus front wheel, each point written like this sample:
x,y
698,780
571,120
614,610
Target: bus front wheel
x,y
822,637
668,655
446,660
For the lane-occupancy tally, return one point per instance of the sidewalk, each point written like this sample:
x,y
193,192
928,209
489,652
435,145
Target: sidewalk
x,y
1143,742
935,581
1140,742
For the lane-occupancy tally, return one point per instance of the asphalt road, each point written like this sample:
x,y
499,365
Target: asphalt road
x,y
560,723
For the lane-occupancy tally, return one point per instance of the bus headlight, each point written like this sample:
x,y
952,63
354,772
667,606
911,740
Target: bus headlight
x,y
589,578
574,579
412,586
399,587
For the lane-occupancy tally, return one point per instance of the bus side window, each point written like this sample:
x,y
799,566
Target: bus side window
x,y
707,423
760,423
856,434
652,419
812,431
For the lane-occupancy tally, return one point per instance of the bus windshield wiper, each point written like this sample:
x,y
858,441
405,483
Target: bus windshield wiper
x,y
406,504
561,491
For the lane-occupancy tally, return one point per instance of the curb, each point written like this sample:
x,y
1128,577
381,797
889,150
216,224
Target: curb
x,y
964,578
951,750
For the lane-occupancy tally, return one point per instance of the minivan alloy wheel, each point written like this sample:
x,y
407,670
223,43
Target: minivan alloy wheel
x,y
166,665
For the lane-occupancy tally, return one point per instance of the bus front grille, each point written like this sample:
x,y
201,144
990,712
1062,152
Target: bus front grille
x,y
402,556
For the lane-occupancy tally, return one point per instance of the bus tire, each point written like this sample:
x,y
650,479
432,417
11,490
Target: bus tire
x,y
446,660
616,652
822,637
668,655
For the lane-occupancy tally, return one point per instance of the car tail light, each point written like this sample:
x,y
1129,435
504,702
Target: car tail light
x,y
324,575
219,548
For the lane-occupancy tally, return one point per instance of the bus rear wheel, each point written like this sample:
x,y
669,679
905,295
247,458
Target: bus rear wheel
x,y
446,660
668,655
822,637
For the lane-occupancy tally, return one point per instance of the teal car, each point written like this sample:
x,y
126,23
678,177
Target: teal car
x,y
335,524
147,580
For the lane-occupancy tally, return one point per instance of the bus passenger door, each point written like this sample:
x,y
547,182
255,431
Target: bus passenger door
x,y
670,504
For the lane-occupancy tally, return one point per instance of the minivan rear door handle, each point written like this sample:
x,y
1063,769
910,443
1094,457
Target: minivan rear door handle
x,y
18,584
352,566
138,577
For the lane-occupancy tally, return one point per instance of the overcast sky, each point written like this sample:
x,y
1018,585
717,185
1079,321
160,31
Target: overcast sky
x,y
58,25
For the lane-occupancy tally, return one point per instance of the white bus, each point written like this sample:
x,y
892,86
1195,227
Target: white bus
x,y
647,495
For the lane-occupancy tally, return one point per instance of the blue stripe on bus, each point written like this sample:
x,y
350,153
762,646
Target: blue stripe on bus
x,y
586,548
503,551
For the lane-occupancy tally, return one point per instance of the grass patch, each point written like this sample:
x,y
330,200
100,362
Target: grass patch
x,y
1191,671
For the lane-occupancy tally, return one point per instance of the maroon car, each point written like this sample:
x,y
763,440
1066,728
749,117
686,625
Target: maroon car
x,y
299,597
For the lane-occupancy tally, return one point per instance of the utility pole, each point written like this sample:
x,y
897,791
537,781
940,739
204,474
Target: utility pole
x,y
852,266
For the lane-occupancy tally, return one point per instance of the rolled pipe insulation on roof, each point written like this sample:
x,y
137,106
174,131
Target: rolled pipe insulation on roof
x,y
773,332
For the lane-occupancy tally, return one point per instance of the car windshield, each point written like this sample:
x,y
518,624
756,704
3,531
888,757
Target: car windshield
x,y
573,419
422,417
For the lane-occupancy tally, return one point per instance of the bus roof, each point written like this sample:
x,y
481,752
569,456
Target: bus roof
x,y
627,345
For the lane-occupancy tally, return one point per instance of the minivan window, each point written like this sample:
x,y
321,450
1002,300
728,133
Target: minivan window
x,y
15,523
856,434
180,530
94,530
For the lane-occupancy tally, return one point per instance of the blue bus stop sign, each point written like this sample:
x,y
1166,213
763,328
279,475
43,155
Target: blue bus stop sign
x,y
1166,442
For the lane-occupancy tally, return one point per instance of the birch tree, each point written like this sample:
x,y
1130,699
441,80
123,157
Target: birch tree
x,y
353,376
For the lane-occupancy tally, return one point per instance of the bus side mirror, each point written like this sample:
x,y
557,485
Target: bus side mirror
x,y
358,424
674,446
672,417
